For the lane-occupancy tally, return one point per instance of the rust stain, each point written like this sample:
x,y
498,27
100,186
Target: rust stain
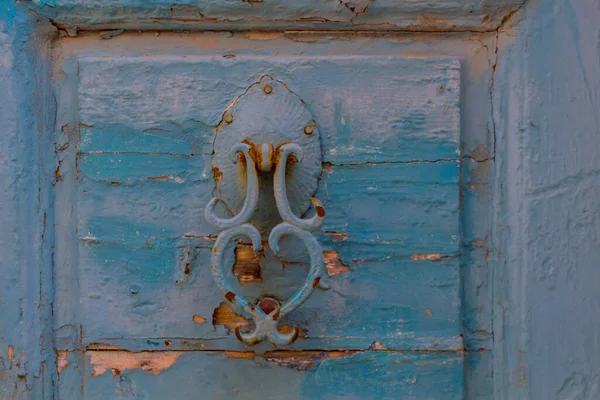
x,y
247,265
276,315
337,236
230,296
429,312
333,264
57,174
320,211
198,319
316,281
61,360
287,329
487,255
153,362
225,316
268,305
217,174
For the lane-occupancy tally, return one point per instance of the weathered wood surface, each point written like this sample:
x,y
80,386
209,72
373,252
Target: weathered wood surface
x,y
408,15
436,273
275,375
549,203
392,205
27,162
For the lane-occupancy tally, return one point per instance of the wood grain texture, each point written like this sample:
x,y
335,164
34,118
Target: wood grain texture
x,y
27,164
430,15
132,230
417,268
476,138
144,176
308,375
369,109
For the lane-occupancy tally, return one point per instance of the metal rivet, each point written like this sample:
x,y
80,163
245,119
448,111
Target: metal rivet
x,y
309,129
228,118
267,89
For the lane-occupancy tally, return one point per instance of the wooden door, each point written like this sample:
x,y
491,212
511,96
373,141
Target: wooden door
x,y
143,89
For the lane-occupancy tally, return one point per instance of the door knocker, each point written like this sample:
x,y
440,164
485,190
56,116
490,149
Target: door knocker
x,y
267,150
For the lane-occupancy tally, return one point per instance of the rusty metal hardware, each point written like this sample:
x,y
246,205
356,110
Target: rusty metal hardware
x,y
268,130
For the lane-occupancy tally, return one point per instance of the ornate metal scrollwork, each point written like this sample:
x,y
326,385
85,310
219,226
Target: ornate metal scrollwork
x,y
293,133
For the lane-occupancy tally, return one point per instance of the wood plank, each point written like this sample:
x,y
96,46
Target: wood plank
x,y
398,274
426,15
275,375
368,109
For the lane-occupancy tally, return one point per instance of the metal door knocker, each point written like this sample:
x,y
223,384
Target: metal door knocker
x,y
267,133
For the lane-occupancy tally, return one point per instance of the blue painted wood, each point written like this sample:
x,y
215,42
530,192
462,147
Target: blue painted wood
x,y
548,126
423,275
412,116
274,375
430,15
543,73
27,162
136,241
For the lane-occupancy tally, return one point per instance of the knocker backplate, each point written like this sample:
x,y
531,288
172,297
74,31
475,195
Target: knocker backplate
x,y
268,112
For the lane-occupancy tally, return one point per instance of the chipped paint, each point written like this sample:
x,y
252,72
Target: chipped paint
x,y
119,361
303,360
225,316
426,15
428,257
247,265
338,236
61,360
297,360
333,264
198,319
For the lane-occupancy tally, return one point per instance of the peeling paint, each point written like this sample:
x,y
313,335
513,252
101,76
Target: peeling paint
x,y
247,265
429,257
198,319
333,264
338,236
303,360
225,316
119,361
61,360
